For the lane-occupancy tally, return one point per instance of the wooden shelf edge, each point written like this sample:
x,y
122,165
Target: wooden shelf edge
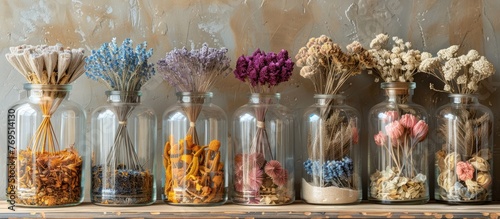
x,y
295,210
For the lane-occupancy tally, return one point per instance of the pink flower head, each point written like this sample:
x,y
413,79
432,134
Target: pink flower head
x,y
354,135
257,159
255,176
394,130
465,170
281,178
391,116
380,138
420,130
238,186
408,120
272,168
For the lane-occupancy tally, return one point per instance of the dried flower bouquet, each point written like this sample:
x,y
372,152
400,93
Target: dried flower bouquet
x,y
329,160
122,180
48,65
258,177
463,164
194,172
400,126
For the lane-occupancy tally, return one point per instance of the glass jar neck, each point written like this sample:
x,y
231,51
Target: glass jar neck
x,y
264,98
463,98
115,96
193,97
37,91
398,92
325,99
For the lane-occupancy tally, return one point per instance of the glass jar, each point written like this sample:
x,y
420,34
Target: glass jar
x,y
123,136
263,152
397,160
46,132
331,171
464,167
195,153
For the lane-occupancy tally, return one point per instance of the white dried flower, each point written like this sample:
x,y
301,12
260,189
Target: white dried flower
x,y
425,56
462,79
448,53
451,69
483,67
379,41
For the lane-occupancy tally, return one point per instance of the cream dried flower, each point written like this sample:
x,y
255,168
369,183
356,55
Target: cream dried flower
x,y
460,74
328,67
400,63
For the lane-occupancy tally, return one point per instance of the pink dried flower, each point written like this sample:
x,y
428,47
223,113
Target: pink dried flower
x,y
257,159
354,135
394,130
238,160
391,116
255,176
380,138
420,130
408,120
465,170
238,186
272,168
281,178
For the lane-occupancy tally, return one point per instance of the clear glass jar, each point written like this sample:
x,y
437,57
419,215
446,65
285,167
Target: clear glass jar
x,y
263,152
464,163
195,153
123,135
46,131
397,156
332,168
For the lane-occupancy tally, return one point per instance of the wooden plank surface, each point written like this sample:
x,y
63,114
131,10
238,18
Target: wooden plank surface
x,y
296,210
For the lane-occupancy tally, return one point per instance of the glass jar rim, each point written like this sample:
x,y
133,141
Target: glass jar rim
x,y
56,87
398,85
119,92
455,95
184,93
329,96
265,95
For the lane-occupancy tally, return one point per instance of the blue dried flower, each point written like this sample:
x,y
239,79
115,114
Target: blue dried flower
x,y
120,68
195,70
333,172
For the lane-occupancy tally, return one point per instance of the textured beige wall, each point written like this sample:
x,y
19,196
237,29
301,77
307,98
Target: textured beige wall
x,y
242,26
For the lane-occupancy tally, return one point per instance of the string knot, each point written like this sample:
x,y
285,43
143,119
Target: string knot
x,y
46,116
122,122
191,124
261,124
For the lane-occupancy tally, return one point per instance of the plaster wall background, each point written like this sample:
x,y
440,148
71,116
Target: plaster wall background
x,y
242,26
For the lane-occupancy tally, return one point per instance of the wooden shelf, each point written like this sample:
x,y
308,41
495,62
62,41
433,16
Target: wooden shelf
x,y
296,210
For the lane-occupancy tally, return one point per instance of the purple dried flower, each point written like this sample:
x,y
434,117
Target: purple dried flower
x,y
195,70
263,71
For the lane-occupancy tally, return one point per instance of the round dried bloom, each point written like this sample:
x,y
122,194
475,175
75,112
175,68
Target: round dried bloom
x,y
484,179
473,55
472,86
408,120
307,71
390,116
257,159
255,178
425,55
419,131
446,179
451,69
464,170
380,138
408,44
396,50
447,88
462,79
281,177
448,53
480,163
273,168
379,41
483,67
451,159
428,64
394,130
311,60
355,47
396,62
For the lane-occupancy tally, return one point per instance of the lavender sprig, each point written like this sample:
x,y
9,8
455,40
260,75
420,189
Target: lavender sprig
x,y
195,70
264,71
120,68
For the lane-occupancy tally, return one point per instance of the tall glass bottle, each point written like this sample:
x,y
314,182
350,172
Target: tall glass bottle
x,y
46,132
123,151
195,153
397,163
464,163
263,152
332,168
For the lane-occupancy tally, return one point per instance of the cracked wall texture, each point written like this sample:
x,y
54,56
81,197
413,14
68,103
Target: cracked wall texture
x,y
242,26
